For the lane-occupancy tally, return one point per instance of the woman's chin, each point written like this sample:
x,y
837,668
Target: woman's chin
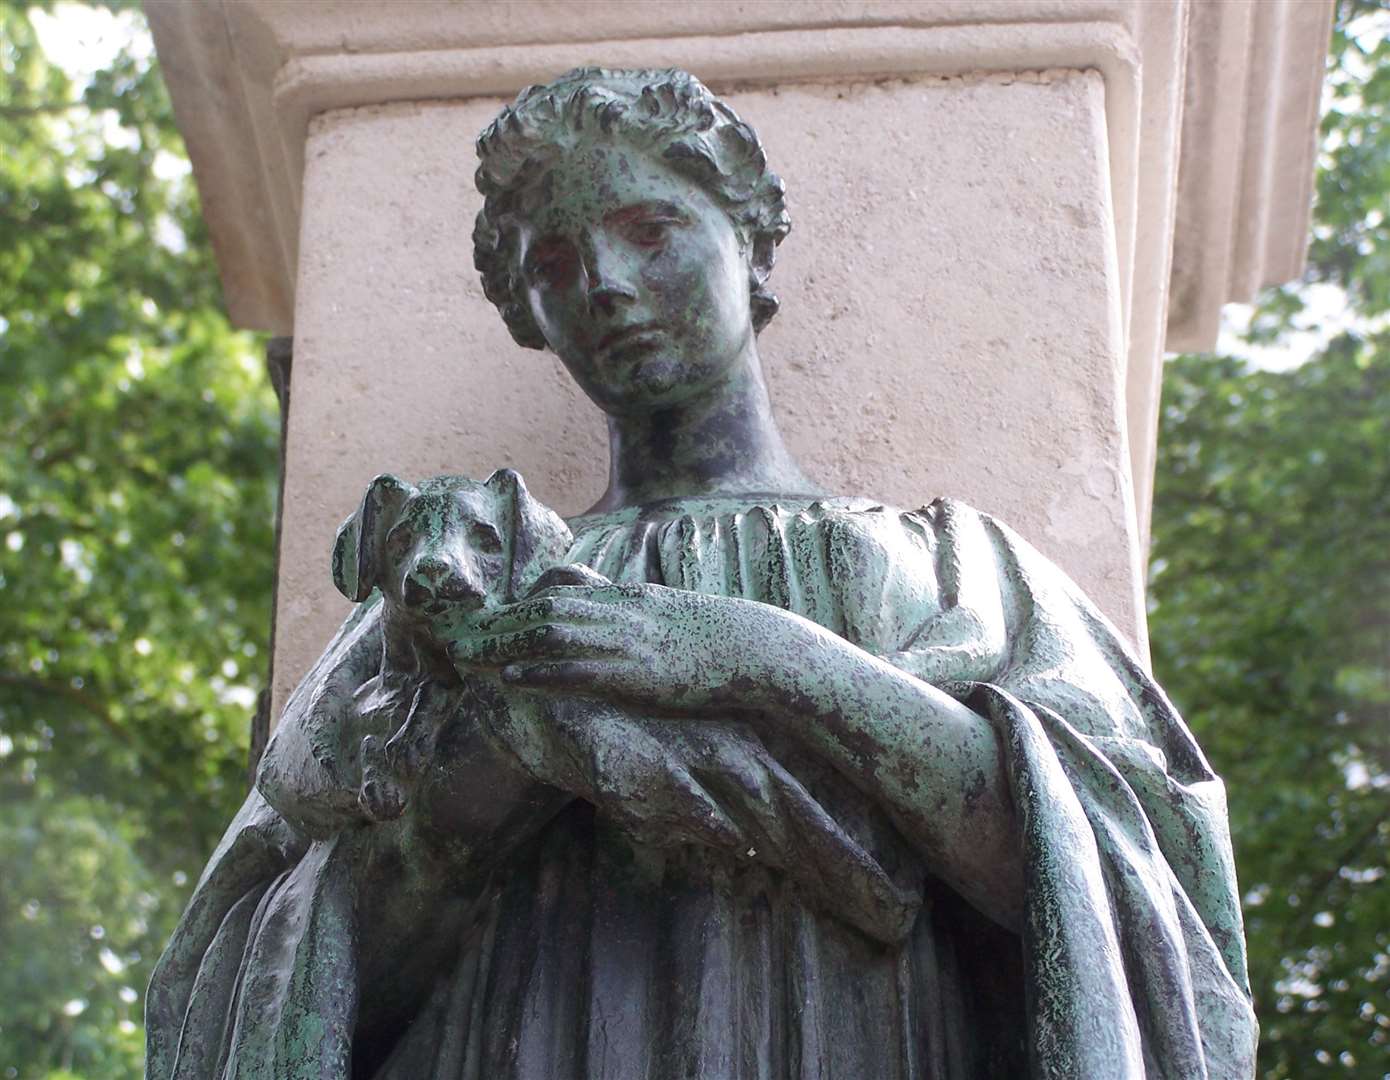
x,y
658,379
640,380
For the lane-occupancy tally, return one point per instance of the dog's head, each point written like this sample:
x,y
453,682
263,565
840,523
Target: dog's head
x,y
450,543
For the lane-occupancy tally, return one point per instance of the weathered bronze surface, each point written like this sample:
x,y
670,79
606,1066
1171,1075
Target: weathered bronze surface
x,y
726,777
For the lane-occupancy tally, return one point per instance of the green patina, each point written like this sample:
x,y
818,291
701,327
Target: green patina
x,y
726,777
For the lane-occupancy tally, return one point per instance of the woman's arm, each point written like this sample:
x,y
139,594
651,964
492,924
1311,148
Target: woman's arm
x,y
935,765
931,762
309,771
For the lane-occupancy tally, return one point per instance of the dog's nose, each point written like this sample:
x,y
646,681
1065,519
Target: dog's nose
x,y
458,589
434,580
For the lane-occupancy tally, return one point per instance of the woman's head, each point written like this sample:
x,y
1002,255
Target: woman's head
x,y
670,117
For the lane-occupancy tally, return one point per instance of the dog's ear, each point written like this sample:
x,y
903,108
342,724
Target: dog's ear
x,y
357,553
538,537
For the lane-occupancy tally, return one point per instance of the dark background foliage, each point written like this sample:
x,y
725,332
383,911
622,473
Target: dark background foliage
x,y
138,455
1269,596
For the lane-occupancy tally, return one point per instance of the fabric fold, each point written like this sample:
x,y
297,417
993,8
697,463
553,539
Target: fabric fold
x,y
800,936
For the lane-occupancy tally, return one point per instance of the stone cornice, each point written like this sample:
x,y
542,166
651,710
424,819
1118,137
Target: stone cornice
x,y
309,85
1233,83
1249,144
248,75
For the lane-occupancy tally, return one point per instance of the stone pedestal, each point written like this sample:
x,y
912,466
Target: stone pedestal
x,y
988,205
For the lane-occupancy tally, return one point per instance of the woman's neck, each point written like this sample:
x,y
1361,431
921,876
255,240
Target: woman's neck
x,y
723,441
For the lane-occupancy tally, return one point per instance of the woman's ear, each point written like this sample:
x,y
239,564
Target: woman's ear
x,y
357,552
538,537
762,253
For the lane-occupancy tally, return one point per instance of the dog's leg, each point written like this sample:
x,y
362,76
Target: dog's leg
x,y
380,796
389,766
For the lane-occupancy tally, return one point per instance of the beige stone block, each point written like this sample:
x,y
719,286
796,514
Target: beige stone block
x,y
951,322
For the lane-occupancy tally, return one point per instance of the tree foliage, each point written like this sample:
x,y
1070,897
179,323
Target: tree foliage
x,y
1270,602
137,470
1270,622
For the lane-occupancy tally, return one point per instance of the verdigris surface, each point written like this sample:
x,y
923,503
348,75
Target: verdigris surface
x,y
726,777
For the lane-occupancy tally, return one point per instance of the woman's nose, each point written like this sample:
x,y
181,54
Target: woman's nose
x,y
605,295
608,275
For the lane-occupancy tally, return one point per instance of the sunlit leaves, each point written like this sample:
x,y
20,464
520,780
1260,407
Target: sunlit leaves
x,y
82,901
1270,623
1353,190
137,471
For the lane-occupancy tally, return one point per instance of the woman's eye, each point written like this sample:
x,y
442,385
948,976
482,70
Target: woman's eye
x,y
549,267
649,233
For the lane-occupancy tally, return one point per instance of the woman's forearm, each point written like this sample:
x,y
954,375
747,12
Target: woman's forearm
x,y
931,762
935,765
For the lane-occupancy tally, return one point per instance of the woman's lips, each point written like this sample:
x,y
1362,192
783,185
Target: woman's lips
x,y
627,335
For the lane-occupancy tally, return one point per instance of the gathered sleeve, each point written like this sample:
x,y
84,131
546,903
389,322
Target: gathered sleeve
x,y
1132,935
304,791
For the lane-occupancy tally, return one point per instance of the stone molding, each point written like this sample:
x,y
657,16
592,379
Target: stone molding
x,y
309,85
1249,136
1234,82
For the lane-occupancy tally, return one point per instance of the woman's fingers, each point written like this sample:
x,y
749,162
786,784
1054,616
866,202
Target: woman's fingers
x,y
579,676
548,641
561,605
574,574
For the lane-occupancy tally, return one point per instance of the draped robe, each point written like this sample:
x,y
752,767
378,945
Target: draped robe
x,y
824,949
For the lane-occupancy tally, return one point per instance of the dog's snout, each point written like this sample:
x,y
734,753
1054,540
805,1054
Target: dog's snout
x,y
435,580
456,588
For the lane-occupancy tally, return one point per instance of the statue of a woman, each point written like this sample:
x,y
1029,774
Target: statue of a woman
x,y
969,743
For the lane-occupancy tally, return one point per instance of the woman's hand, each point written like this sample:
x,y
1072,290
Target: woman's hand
x,y
649,646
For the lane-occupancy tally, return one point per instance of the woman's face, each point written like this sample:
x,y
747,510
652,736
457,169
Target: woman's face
x,y
635,276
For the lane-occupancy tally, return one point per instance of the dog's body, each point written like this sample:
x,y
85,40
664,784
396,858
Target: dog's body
x,y
438,802
439,553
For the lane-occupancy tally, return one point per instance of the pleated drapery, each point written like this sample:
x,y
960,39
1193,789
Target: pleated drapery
x,y
599,955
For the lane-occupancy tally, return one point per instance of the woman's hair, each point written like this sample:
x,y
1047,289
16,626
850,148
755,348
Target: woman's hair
x,y
669,113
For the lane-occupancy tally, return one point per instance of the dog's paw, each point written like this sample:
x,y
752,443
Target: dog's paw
x,y
381,799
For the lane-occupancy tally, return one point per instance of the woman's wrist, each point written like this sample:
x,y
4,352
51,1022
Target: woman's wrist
x,y
795,665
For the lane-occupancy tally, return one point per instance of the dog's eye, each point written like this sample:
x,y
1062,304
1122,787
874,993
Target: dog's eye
x,y
486,539
397,543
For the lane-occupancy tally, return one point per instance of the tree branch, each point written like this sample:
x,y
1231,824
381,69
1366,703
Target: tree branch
x,y
1317,889
40,109
95,708
83,700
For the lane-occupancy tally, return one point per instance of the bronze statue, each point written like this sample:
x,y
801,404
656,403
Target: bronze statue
x,y
725,778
